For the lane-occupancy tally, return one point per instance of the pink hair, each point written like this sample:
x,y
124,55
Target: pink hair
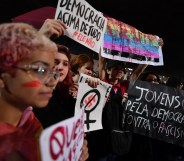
x,y
18,41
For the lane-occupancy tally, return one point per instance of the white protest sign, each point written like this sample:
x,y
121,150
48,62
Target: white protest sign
x,y
92,100
84,24
63,141
83,79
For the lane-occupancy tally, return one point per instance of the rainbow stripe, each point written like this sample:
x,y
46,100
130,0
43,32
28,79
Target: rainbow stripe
x,y
125,38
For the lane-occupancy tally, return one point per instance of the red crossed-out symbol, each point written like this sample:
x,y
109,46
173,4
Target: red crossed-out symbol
x,y
88,100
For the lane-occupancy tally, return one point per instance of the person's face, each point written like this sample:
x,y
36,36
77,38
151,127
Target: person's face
x,y
32,87
180,86
116,73
152,78
63,66
87,68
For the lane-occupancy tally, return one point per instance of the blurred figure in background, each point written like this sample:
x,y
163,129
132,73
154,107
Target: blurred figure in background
x,y
151,77
62,104
175,82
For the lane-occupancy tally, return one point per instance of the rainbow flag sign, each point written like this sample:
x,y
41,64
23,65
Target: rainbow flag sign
x,y
125,43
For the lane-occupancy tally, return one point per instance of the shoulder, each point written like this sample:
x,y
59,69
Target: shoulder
x,y
124,83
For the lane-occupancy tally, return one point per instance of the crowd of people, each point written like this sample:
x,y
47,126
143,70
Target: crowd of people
x,y
39,87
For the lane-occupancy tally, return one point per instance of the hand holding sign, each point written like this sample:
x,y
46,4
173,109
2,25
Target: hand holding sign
x,y
92,100
85,154
93,82
85,24
53,28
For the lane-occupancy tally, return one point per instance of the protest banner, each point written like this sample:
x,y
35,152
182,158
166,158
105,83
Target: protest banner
x,y
93,101
125,43
63,141
85,24
156,111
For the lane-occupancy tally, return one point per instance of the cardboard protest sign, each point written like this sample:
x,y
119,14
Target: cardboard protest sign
x,y
126,43
156,111
85,24
63,141
92,100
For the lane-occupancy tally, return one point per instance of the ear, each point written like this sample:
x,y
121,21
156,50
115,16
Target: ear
x,y
108,71
3,77
1,83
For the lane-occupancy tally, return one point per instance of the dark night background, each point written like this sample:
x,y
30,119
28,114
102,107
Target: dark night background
x,y
159,17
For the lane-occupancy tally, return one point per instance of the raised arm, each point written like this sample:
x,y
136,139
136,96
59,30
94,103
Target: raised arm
x,y
53,28
136,73
141,67
101,66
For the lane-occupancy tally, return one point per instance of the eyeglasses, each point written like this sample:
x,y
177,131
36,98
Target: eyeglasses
x,y
43,73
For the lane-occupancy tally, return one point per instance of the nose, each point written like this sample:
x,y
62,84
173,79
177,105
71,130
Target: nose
x,y
156,82
52,82
60,67
90,72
